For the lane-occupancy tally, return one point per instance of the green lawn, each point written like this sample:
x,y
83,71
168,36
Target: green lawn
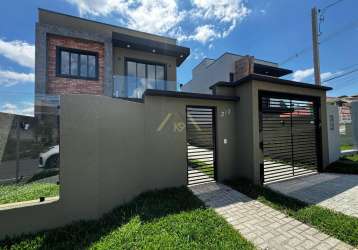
x,y
338,225
203,167
345,165
26,192
168,219
346,147
352,158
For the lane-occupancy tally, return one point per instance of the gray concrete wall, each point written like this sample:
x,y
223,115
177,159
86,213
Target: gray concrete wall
x,y
157,108
111,151
245,131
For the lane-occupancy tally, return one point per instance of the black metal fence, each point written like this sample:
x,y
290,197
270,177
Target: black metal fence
x,y
200,144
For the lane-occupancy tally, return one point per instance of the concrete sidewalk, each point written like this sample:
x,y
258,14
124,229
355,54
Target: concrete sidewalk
x,y
265,227
338,192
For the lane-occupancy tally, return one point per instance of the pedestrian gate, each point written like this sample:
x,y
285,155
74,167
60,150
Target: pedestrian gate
x,y
290,134
200,130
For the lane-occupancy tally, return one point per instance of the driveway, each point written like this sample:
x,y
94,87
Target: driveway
x,y
338,192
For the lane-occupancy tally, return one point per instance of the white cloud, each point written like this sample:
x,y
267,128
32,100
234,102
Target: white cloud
x,y
214,18
147,15
203,34
20,52
8,108
327,75
24,108
226,14
197,54
223,10
10,78
299,75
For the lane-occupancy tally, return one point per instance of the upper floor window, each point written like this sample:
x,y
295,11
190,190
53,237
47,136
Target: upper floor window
x,y
77,64
231,76
143,69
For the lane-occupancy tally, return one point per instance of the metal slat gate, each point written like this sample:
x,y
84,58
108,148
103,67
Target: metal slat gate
x,y
200,128
290,133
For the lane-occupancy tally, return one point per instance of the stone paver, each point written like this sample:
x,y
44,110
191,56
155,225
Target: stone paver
x,y
265,227
338,192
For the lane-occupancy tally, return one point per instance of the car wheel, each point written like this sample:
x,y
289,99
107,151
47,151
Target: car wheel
x,y
53,162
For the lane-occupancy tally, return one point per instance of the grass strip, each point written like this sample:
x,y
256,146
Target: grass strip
x,y
168,219
338,225
26,192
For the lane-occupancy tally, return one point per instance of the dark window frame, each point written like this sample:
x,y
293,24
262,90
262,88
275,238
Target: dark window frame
x,y
79,52
146,62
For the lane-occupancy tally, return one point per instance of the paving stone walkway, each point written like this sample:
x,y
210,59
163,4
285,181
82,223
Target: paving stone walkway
x,y
265,227
338,192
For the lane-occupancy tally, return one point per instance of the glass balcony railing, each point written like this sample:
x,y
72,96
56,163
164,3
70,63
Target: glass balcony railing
x,y
134,87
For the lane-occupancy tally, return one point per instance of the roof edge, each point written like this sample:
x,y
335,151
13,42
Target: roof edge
x,y
174,40
272,80
175,94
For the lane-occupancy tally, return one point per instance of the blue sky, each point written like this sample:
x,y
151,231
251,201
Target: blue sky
x,y
273,30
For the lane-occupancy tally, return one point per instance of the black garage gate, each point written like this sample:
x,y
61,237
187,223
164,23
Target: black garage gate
x,y
290,136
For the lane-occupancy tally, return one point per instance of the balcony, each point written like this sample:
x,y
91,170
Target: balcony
x,y
134,87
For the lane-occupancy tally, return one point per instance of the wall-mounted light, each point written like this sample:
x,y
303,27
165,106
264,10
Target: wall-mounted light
x,y
181,55
128,45
153,50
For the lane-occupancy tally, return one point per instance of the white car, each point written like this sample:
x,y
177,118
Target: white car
x,y
50,158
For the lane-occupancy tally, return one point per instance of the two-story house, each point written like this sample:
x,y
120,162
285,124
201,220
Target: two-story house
x,y
229,67
80,56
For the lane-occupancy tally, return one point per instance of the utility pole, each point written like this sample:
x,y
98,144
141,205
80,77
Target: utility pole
x,y
315,45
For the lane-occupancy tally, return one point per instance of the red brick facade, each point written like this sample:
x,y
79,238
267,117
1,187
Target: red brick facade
x,y
61,85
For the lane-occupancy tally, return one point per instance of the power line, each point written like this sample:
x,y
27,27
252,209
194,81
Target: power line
x,y
329,37
331,5
341,75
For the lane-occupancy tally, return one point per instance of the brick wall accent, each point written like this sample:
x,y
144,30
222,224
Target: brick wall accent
x,y
61,85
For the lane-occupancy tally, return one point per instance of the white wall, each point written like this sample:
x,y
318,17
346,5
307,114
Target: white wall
x,y
206,76
210,71
333,132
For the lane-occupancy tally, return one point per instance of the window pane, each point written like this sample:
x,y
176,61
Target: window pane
x,y
151,76
92,67
160,77
74,64
160,72
65,65
83,70
131,69
140,70
151,71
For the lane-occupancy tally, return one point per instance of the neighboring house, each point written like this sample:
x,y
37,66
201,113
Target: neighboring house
x,y
344,104
79,56
228,68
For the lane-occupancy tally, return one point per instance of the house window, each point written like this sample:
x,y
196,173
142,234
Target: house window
x,y
143,75
74,63
231,76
